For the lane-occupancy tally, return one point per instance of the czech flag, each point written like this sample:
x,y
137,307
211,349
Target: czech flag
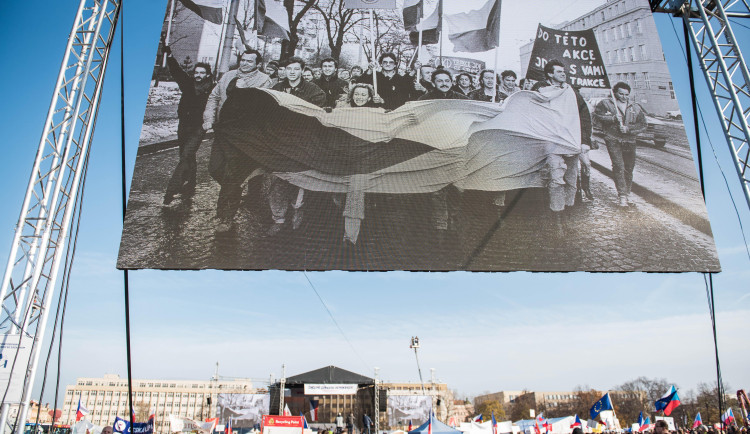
x,y
547,426
228,428
727,417
478,418
314,410
645,425
668,402
494,423
577,423
411,428
429,426
304,420
698,421
81,411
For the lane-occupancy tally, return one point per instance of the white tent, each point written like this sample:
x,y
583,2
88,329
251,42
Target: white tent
x,y
486,427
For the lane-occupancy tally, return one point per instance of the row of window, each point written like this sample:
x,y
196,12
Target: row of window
x,y
139,394
169,385
627,54
610,12
621,31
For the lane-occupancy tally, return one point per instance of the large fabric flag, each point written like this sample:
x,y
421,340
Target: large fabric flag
x,y
81,411
271,19
430,26
604,403
577,423
477,30
413,12
668,402
314,410
209,10
698,421
728,416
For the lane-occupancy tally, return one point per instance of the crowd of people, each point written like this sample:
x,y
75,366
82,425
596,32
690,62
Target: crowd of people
x,y
331,87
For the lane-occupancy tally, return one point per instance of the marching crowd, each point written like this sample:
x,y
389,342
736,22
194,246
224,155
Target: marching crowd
x,y
331,87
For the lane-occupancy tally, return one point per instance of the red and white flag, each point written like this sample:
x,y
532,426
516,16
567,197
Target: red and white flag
x,y
81,411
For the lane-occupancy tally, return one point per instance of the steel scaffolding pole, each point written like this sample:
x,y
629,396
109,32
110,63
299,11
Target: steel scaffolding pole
x,y
724,68
38,247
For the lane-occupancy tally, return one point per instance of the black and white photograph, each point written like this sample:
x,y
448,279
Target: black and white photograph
x,y
244,410
424,135
408,409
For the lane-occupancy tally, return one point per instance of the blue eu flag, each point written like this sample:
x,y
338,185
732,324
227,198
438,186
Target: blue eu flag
x,y
604,403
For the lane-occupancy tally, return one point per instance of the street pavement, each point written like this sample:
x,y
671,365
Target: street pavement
x,y
655,234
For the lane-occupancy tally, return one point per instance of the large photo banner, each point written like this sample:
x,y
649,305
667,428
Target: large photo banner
x,y
408,409
517,144
243,410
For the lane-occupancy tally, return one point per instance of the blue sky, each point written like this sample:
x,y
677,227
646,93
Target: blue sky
x,y
481,332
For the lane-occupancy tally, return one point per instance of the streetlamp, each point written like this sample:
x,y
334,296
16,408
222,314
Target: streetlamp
x,y
415,345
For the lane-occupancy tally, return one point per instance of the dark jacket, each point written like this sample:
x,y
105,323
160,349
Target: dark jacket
x,y
436,94
306,90
479,95
333,88
395,91
194,95
634,119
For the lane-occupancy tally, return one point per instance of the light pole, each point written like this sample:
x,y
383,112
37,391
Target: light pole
x,y
415,345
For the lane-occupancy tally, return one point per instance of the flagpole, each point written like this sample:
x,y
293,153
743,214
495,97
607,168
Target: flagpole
x,y
361,41
372,40
494,71
419,49
169,32
221,43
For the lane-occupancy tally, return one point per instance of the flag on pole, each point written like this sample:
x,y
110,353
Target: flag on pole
x,y
81,411
494,423
304,420
645,424
477,30
209,10
577,423
413,12
410,426
228,428
287,412
430,26
728,416
698,421
478,418
668,402
429,424
604,403
314,410
271,19
132,413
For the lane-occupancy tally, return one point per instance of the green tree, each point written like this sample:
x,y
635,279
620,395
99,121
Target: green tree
x,y
519,408
486,408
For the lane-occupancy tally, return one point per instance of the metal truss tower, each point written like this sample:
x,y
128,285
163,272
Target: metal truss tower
x,y
52,194
724,67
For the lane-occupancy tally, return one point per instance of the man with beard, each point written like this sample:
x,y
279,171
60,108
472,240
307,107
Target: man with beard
x,y
228,166
563,168
282,194
330,83
395,89
444,204
190,133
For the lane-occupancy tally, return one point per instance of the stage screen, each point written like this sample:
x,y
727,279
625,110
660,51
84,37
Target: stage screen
x,y
244,410
408,409
278,142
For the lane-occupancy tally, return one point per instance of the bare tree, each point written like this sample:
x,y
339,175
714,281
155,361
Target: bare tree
x,y
296,10
338,22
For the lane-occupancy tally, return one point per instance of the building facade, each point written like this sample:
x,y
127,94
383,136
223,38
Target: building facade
x,y
107,397
629,42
